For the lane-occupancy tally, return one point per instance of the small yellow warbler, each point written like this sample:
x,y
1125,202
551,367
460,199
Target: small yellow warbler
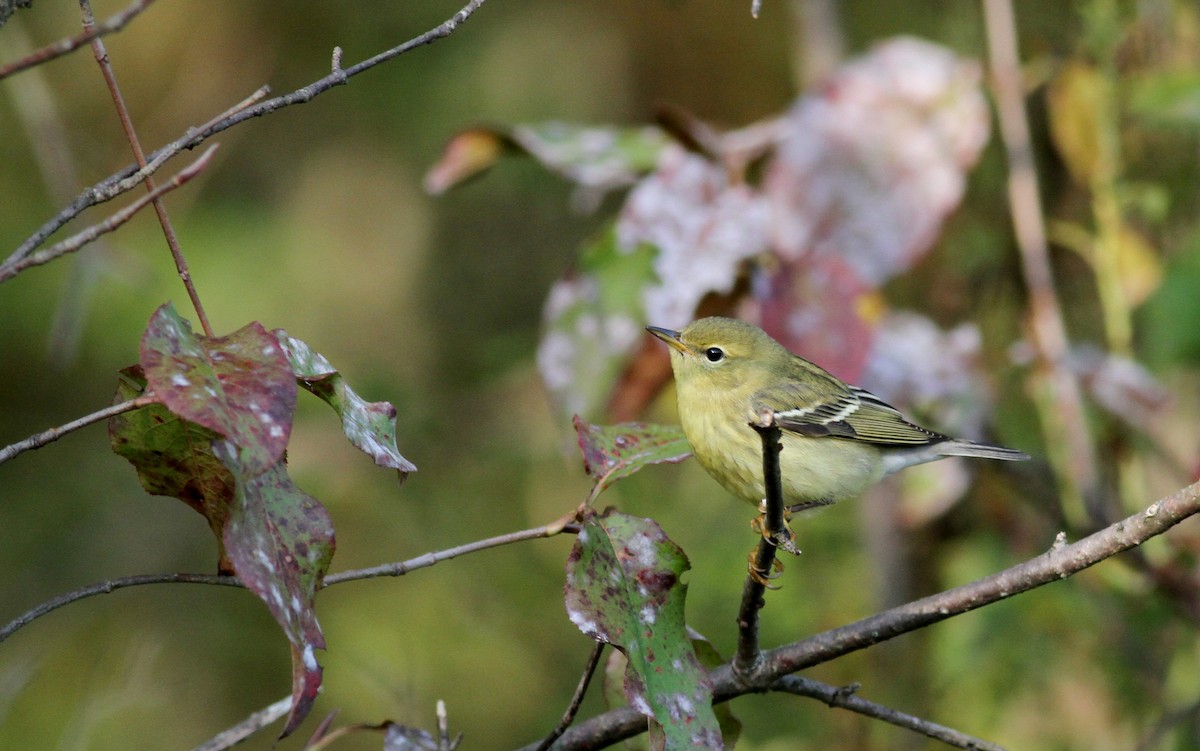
x,y
837,439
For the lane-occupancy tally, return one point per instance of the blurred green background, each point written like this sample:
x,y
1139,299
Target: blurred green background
x,y
313,219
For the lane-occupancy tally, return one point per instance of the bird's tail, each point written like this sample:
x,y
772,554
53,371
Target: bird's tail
x,y
957,447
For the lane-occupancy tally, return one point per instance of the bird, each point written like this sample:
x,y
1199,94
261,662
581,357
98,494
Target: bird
x,y
837,439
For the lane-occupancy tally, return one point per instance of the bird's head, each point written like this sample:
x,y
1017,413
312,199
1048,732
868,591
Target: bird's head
x,y
721,353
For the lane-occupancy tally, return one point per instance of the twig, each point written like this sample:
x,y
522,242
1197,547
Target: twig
x,y
577,699
70,44
247,727
391,569
1057,563
11,267
749,656
846,698
1061,410
38,440
130,177
164,220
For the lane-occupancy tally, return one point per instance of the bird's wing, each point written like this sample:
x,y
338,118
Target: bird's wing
x,y
842,412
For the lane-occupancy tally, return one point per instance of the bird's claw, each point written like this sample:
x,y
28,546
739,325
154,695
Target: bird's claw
x,y
764,577
784,539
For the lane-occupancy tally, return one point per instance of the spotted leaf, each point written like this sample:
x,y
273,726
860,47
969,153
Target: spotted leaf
x,y
280,541
240,385
623,589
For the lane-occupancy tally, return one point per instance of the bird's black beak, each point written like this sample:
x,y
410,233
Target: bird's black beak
x,y
668,336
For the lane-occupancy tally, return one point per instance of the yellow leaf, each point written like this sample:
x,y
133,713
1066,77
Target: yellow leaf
x,y
1075,99
1140,267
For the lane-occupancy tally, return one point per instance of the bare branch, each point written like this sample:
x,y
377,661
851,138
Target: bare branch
x,y
232,736
65,46
1061,561
130,177
846,698
391,569
1061,406
160,208
14,265
53,434
568,717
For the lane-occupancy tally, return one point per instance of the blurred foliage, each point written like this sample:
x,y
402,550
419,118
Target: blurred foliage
x,y
313,218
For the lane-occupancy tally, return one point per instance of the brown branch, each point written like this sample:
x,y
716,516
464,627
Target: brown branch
x,y
230,737
53,434
14,266
160,208
130,177
1061,409
70,44
846,697
749,656
1061,561
392,569
568,717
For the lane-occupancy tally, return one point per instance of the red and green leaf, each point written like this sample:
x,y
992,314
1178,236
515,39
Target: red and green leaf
x,y
173,457
370,426
612,452
280,541
240,386
623,588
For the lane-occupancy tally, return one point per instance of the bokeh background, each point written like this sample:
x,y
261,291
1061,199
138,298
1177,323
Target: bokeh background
x,y
313,219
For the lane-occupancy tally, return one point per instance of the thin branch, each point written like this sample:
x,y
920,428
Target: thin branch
x,y
580,690
130,177
846,698
749,656
38,440
247,727
70,44
160,208
11,267
391,569
1060,562
1061,409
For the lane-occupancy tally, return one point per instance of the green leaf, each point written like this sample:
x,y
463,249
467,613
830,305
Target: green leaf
x,y
173,457
240,386
623,589
370,426
611,452
280,541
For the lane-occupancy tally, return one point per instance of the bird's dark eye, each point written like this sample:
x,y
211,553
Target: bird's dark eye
x,y
714,354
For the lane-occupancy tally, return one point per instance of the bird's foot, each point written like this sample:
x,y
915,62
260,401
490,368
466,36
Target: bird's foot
x,y
784,539
761,576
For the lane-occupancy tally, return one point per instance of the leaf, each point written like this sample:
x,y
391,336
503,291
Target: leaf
x,y
593,321
591,156
612,452
239,386
468,154
623,589
173,457
370,426
711,659
870,164
280,541
405,738
1077,101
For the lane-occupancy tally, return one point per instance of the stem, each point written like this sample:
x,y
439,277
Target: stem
x,y
1061,406
70,44
38,440
110,78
